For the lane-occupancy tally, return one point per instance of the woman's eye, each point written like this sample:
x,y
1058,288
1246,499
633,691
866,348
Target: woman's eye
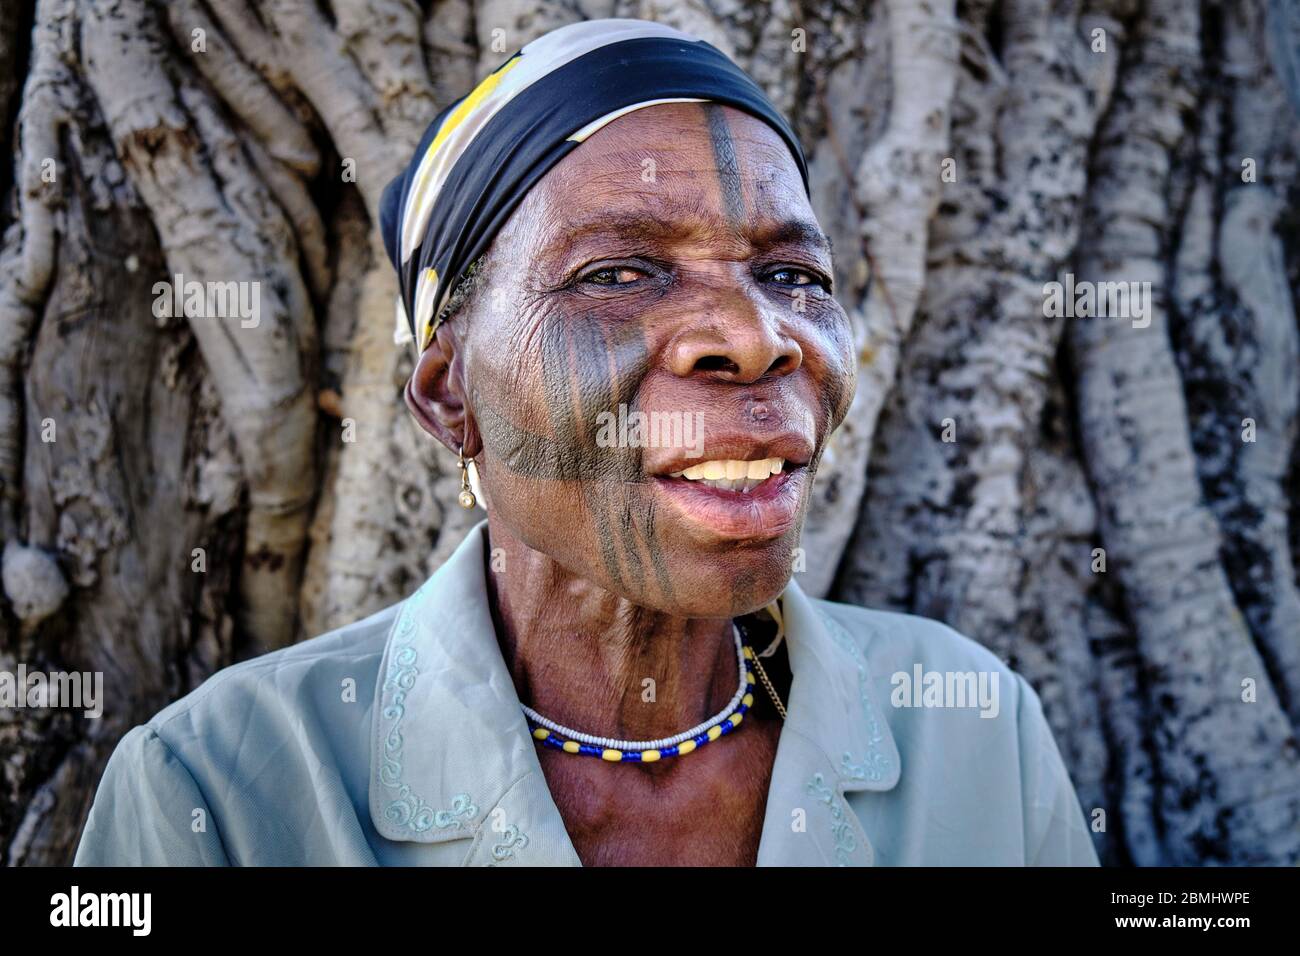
x,y
793,277
612,276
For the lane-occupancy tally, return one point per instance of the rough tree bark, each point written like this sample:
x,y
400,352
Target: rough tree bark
x,y
1111,508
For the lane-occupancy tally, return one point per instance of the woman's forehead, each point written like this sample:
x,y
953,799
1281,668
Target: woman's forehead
x,y
679,138
673,166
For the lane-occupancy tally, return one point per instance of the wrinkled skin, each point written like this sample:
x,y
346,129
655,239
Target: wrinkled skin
x,y
703,290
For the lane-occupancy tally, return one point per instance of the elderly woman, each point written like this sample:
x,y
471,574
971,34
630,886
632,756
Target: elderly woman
x,y
621,304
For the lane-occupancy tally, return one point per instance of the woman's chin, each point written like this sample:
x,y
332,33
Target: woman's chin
x,y
706,584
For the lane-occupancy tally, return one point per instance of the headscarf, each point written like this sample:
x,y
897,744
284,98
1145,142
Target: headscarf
x,y
481,155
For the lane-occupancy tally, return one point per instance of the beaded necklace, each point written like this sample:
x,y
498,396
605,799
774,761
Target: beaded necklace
x,y
558,737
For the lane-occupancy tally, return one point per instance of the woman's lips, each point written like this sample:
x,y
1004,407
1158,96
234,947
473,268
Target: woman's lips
x,y
768,510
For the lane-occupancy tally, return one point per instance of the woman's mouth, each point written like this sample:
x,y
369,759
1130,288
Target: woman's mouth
x,y
732,474
737,499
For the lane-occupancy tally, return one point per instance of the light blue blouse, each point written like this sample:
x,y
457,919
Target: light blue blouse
x,y
399,740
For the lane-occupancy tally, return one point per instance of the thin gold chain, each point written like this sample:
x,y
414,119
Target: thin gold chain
x,y
771,691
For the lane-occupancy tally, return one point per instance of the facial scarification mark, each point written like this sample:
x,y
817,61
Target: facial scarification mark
x,y
625,524
604,539
657,554
724,154
626,519
632,518
583,377
586,370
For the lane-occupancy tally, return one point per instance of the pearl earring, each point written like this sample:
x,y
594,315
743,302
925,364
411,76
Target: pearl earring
x,y
466,497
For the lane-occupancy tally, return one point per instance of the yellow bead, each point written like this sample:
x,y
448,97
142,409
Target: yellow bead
x,y
736,719
715,731
686,746
541,733
749,678
613,756
748,700
649,756
571,747
749,655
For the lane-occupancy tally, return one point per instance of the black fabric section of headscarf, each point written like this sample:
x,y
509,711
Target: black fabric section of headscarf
x,y
529,135
394,195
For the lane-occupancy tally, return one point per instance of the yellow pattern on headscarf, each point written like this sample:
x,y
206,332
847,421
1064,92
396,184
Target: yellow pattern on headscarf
x,y
466,107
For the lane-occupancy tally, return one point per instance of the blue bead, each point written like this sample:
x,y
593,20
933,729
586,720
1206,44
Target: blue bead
x,y
702,739
727,727
590,750
669,751
631,755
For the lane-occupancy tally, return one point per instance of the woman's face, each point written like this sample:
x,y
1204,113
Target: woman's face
x,y
670,266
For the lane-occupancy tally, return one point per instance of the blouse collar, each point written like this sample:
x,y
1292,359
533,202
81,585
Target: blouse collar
x,y
452,757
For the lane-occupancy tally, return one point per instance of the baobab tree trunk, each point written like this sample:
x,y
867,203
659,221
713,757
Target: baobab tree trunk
x,y
1109,505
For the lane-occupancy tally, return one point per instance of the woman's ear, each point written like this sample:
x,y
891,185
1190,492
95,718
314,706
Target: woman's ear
x,y
435,394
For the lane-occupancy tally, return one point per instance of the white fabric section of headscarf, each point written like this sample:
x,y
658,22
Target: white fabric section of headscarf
x,y
401,327
581,135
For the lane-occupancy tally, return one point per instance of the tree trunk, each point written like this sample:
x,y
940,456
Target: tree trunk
x,y
1110,506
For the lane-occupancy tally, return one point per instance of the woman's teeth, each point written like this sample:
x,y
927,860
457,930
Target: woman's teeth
x,y
731,474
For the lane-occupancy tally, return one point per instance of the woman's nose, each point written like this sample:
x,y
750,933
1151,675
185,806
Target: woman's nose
x,y
736,341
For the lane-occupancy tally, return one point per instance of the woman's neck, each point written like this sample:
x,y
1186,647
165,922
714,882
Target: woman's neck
x,y
597,663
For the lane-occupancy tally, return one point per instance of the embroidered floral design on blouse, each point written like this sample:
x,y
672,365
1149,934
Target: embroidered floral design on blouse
x,y
875,763
512,838
407,808
461,806
841,830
